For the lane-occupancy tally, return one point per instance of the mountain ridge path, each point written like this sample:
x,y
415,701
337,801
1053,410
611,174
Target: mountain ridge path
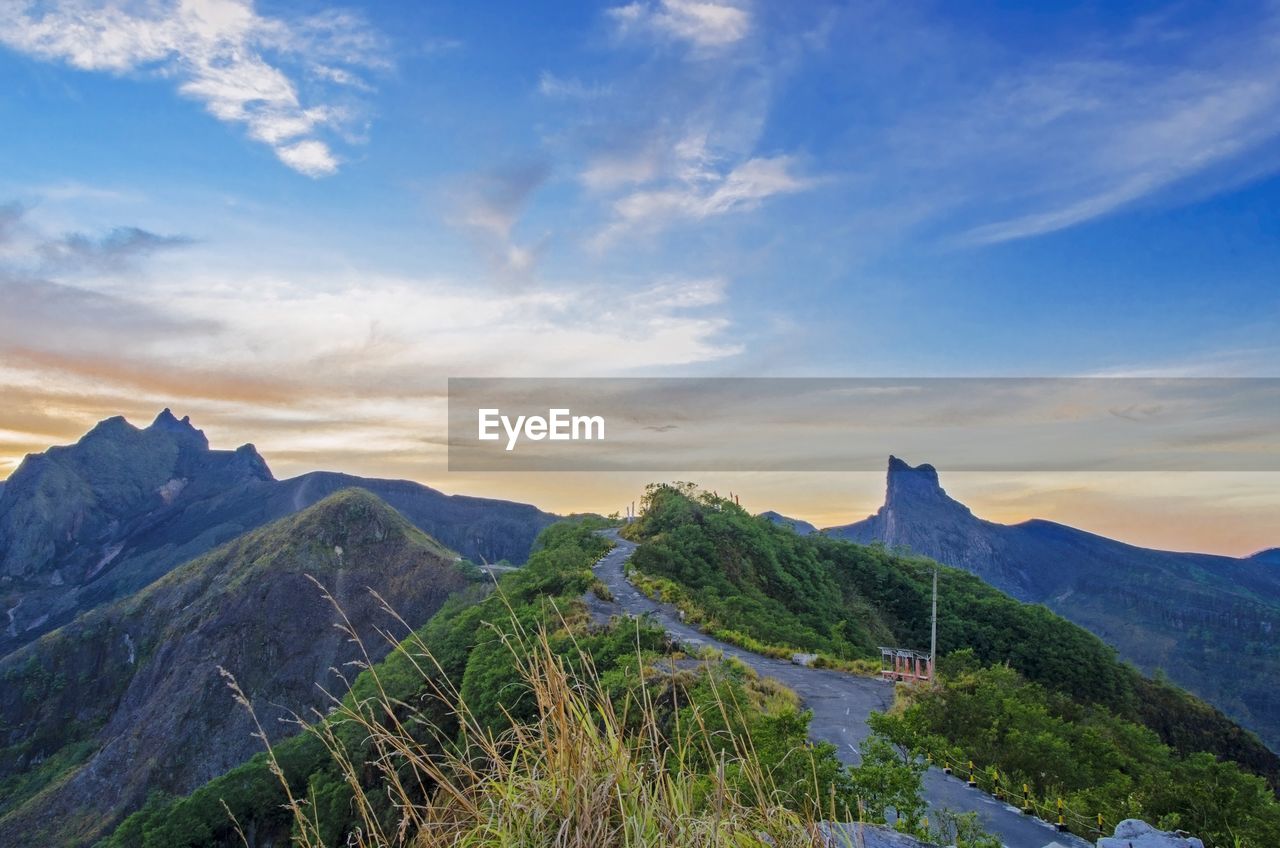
x,y
840,704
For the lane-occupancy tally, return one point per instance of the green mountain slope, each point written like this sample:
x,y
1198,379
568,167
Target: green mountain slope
x,y
127,699
815,593
479,644
772,585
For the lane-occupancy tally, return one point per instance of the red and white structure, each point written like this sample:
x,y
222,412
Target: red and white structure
x,y
905,664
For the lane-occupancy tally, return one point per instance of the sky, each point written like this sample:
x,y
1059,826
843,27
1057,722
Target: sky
x,y
293,222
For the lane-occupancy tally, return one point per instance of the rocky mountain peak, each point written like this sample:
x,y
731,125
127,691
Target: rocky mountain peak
x,y
64,511
910,484
112,427
167,422
249,461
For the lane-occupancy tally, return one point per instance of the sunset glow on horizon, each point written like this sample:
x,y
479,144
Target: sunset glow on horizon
x,y
295,224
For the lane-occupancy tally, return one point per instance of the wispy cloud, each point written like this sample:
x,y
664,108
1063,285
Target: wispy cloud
x,y
986,144
701,192
70,190
221,53
275,343
1121,132
440,45
570,88
28,251
42,313
10,215
489,205
677,139
111,252
85,321
702,23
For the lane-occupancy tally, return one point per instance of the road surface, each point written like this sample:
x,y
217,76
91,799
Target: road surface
x,y
840,703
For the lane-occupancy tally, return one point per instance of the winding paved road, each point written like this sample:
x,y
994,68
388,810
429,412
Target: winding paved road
x,y
840,704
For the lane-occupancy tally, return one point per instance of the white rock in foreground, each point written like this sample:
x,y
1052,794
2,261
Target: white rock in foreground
x,y
854,835
1135,833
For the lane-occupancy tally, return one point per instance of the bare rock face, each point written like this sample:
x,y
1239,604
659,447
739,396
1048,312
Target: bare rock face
x,y
1188,614
918,514
1135,833
104,516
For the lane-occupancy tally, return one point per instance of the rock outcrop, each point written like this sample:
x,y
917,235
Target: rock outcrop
x,y
1194,616
1135,833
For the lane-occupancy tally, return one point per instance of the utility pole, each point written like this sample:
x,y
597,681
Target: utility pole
x,y
933,635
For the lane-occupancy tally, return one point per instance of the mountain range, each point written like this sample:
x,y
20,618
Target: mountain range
x,y
139,562
1211,623
88,523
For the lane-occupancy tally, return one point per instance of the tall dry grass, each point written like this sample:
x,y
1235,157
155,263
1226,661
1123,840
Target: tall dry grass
x,y
587,772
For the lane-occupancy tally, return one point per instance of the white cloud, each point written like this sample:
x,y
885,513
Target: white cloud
x,y
752,182
309,157
702,23
365,357
703,192
292,343
613,171
679,141
220,52
391,337
570,88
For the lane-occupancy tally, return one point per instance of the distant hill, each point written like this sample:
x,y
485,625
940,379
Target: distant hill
x,y
91,522
1271,556
1202,619
127,699
804,528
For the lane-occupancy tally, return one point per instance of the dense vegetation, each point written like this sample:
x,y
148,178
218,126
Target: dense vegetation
x,y
751,581
1020,733
503,714
511,705
817,594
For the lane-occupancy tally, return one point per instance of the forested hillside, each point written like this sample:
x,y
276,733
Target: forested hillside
x,y
746,579
476,720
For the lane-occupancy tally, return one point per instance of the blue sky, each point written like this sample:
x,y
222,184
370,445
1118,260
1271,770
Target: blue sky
x,y
293,221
